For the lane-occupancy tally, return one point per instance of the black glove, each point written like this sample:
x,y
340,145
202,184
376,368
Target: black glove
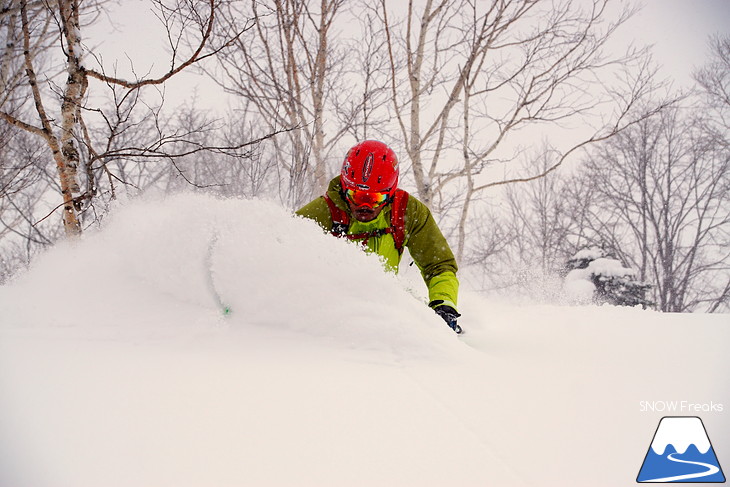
x,y
448,314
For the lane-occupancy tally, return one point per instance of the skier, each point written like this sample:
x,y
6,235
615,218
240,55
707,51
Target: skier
x,y
365,204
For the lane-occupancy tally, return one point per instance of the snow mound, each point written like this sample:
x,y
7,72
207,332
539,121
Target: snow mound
x,y
192,256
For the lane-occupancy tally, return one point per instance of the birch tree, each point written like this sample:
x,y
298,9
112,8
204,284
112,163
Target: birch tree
x,y
289,72
59,109
483,79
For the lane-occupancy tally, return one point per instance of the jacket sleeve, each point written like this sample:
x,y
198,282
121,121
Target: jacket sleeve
x,y
318,211
432,254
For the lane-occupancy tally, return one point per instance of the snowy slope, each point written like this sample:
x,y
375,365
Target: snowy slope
x,y
118,367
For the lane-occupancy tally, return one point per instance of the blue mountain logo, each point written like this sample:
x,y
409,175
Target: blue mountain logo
x,y
681,452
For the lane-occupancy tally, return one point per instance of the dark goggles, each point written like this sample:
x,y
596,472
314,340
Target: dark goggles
x,y
367,198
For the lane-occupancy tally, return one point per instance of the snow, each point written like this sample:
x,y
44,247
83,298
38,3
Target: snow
x,y
578,289
119,368
591,253
609,267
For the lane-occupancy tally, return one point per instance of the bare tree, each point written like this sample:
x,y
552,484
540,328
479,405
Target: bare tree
x,y
655,195
482,76
713,81
540,218
291,72
21,182
85,137
361,108
525,241
662,205
23,178
234,173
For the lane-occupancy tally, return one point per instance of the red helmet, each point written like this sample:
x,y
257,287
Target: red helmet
x,y
372,167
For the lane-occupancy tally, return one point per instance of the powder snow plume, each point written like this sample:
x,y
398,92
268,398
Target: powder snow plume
x,y
119,366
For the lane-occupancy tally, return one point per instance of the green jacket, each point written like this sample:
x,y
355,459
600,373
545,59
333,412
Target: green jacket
x,y
423,238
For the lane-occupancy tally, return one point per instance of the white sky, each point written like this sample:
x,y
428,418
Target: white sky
x,y
679,30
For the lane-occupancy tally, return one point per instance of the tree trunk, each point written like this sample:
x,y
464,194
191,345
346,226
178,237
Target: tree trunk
x,y
66,169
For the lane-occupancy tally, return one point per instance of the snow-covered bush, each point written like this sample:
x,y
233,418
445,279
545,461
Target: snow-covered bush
x,y
592,276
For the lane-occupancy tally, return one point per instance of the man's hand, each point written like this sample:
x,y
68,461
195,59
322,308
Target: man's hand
x,y
448,314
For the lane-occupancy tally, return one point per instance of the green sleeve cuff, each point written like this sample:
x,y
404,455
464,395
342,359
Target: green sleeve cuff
x,y
444,288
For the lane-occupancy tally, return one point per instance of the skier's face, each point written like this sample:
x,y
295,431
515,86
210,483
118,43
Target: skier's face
x,y
364,213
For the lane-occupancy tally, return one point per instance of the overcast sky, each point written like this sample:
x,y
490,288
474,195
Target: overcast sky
x,y
679,30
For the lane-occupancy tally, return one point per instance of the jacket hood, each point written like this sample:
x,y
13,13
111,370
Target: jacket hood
x,y
334,190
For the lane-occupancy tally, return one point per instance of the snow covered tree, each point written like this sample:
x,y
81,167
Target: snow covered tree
x,y
604,279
